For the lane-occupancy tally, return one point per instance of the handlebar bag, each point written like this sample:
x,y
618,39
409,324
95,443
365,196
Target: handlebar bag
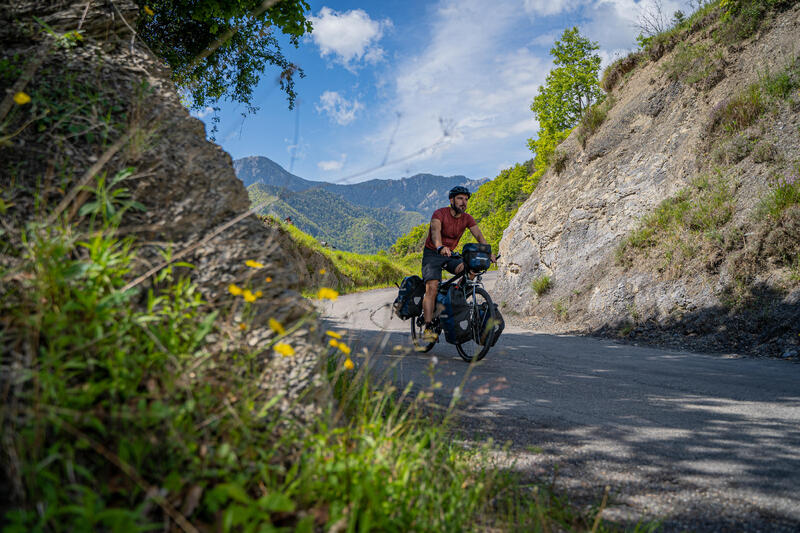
x,y
408,303
495,328
477,257
455,315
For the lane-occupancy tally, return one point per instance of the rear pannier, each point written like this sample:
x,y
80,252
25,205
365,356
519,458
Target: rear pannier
x,y
408,303
477,257
455,315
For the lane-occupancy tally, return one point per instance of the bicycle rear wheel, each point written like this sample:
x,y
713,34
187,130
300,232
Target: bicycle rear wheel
x,y
417,328
474,349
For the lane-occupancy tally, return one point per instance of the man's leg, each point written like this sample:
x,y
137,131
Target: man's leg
x,y
429,300
460,268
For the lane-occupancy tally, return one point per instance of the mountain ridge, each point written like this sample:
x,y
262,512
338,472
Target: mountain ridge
x,y
420,193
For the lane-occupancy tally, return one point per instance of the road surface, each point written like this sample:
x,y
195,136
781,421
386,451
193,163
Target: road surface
x,y
700,442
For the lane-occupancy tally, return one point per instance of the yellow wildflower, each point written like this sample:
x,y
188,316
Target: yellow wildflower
x,y
21,98
344,348
333,334
268,279
249,296
333,342
348,364
242,326
321,270
234,289
284,349
327,294
259,294
253,264
149,11
276,326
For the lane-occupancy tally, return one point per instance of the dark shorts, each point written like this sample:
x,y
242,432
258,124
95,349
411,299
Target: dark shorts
x,y
433,263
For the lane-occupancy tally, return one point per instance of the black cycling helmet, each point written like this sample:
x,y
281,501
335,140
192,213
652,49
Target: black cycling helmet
x,y
458,189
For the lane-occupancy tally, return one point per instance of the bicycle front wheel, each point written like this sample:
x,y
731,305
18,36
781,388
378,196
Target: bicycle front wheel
x,y
476,348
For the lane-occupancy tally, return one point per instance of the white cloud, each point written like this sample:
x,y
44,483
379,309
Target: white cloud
x,y
329,166
550,7
338,108
350,37
203,113
468,78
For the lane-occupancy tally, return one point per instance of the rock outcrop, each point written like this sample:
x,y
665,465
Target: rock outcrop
x,y
113,106
654,143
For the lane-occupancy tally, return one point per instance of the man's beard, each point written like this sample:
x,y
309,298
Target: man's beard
x,y
457,209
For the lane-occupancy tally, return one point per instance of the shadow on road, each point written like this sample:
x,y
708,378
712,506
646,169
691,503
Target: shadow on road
x,y
704,443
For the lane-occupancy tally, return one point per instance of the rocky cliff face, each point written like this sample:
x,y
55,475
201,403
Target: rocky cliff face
x,y
101,103
656,141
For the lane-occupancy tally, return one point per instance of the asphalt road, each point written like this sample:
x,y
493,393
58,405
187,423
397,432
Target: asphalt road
x,y
700,442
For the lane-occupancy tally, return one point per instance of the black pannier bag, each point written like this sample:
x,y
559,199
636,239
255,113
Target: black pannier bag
x,y
477,257
495,328
455,315
408,303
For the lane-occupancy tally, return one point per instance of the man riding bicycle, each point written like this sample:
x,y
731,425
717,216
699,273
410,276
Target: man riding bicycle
x,y
447,227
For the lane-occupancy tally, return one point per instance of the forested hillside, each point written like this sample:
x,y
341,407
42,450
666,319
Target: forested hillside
x,y
331,219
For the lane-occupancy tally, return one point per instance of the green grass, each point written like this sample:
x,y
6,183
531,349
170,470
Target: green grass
x,y
784,192
109,399
682,225
364,271
541,285
593,118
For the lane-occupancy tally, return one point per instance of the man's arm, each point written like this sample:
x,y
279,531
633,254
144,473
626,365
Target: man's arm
x,y
436,236
478,234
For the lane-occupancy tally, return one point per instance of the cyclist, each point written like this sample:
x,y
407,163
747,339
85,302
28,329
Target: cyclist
x,y
447,227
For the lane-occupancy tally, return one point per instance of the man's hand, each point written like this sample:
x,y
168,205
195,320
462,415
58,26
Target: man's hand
x,y
493,258
445,251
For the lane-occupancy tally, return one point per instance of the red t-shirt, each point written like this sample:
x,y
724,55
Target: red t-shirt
x,y
452,228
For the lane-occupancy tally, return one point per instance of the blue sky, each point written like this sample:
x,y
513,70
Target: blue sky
x,y
395,88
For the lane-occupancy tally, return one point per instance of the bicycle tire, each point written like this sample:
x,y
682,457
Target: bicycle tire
x,y
417,327
469,351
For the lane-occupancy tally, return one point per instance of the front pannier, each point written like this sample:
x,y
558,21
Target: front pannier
x,y
477,256
408,303
495,328
455,315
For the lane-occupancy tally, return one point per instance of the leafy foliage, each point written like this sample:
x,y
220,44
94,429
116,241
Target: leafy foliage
x,y
413,241
220,49
572,86
569,89
496,202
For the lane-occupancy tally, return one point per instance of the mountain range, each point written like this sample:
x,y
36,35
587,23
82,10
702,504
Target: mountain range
x,y
360,217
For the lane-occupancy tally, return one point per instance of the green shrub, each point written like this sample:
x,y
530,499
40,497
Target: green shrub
x,y
541,285
413,241
560,159
593,118
561,311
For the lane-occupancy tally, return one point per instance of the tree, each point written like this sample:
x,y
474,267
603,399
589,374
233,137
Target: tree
x,y
220,49
570,88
